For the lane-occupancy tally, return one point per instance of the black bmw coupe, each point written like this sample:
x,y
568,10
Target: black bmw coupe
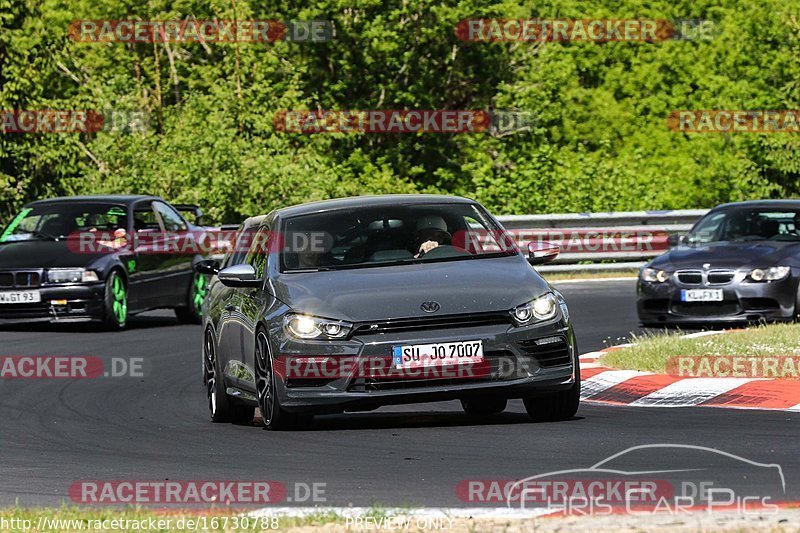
x,y
99,258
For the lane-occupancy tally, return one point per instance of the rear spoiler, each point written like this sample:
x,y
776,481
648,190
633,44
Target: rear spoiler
x,y
192,209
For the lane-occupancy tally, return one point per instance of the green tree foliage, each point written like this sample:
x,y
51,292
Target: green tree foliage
x,y
598,141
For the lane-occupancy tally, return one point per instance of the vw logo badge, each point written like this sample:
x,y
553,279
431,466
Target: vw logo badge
x,y
430,307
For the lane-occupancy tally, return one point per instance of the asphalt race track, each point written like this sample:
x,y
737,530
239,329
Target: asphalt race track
x,y
56,432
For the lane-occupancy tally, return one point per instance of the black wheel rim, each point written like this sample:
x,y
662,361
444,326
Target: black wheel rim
x,y
210,361
266,396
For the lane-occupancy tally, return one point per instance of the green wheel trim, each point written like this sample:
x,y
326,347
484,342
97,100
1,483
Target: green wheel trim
x,y
120,305
200,289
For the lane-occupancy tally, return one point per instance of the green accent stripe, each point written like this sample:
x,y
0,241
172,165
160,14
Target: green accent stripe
x,y
14,223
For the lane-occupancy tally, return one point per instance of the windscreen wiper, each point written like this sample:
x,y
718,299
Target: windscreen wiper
x,y
44,235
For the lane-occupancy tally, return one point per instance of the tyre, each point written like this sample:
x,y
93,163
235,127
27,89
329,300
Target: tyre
x,y
115,302
192,312
220,405
797,304
484,406
273,416
561,405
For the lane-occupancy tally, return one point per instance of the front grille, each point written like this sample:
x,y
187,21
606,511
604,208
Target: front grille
x,y
720,277
23,279
656,305
760,304
308,382
375,385
548,354
705,308
690,277
428,323
27,279
17,311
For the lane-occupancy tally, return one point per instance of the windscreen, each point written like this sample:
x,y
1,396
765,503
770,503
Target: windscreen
x,y
748,224
58,220
389,235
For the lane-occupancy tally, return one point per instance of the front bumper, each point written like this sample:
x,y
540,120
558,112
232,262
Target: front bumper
x,y
742,302
83,302
516,367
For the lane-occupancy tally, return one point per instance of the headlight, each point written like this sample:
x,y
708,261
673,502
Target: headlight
x,y
311,327
70,275
655,276
544,307
769,274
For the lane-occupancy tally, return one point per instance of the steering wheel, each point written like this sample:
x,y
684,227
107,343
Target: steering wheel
x,y
444,250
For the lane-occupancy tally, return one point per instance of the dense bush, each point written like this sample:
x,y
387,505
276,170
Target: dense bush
x,y
599,140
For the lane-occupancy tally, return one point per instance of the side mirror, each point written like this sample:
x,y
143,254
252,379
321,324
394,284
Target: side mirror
x,y
542,252
207,266
239,276
675,240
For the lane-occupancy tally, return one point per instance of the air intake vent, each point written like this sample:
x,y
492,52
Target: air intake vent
x,y
548,351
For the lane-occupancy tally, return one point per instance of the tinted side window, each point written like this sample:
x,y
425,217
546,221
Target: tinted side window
x,y
172,220
144,218
259,248
241,246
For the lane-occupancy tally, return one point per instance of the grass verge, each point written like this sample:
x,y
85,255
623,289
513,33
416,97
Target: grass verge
x,y
595,274
783,520
652,351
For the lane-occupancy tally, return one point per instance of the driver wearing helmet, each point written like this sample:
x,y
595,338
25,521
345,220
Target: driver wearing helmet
x,y
431,232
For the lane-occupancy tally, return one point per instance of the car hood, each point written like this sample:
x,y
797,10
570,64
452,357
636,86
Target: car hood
x,y
728,255
381,293
42,254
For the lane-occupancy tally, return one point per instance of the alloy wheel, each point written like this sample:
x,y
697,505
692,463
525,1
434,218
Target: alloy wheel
x,y
120,300
210,361
264,388
199,291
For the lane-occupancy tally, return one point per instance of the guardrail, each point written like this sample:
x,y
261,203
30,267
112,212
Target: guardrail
x,y
588,241
602,241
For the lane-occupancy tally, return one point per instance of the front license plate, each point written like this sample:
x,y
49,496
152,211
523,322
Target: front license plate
x,y
20,297
449,353
701,295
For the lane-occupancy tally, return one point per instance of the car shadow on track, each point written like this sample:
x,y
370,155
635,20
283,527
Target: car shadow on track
x,y
408,420
145,321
